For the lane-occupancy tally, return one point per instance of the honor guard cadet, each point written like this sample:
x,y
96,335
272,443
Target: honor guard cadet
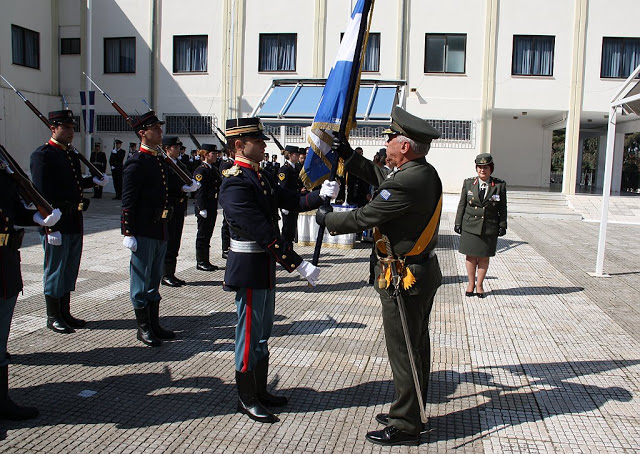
x,y
178,203
406,211
99,160
208,175
225,236
250,199
12,213
289,178
57,175
116,161
145,211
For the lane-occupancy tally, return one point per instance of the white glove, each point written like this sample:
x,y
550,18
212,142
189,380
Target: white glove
x,y
195,185
203,213
103,182
49,220
285,212
329,189
130,242
309,272
54,238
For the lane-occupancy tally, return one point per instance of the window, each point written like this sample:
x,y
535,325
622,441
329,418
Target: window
x,y
620,56
119,55
197,124
25,47
445,53
277,52
532,55
372,54
190,54
70,46
111,123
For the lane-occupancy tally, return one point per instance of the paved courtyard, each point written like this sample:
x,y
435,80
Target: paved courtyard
x,y
549,361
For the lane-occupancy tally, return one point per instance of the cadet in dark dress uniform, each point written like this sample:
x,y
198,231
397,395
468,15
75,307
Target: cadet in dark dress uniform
x,y
99,160
405,208
289,178
210,180
481,218
12,212
225,237
178,203
57,175
116,161
250,199
145,209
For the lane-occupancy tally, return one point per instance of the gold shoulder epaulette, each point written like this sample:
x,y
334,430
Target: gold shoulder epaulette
x,y
232,172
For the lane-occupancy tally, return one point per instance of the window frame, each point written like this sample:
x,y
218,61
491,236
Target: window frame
x,y
446,53
533,38
71,41
622,40
190,38
104,51
295,57
25,31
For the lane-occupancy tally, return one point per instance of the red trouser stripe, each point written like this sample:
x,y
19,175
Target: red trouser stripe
x,y
247,328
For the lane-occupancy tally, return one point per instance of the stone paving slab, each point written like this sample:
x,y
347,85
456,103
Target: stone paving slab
x,y
549,361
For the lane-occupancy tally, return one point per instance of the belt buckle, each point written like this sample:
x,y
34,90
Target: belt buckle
x,y
165,213
80,206
4,239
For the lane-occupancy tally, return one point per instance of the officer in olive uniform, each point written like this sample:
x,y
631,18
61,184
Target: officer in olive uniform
x,y
250,199
481,218
12,212
57,174
210,180
116,161
178,204
145,210
289,178
406,209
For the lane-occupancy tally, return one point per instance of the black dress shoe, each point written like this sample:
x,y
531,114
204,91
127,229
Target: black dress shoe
x,y
181,281
383,418
471,293
204,266
171,281
391,436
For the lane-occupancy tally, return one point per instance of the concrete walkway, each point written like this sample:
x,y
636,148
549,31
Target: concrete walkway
x,y
549,361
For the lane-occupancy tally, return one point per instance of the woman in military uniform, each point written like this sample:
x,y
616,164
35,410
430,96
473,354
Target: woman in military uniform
x,y
289,178
206,204
481,219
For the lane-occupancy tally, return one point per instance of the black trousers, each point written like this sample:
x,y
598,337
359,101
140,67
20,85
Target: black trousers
x,y
97,192
289,227
116,174
205,230
225,234
174,226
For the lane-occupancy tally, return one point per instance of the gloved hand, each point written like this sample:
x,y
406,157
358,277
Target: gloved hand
x,y
49,220
195,185
54,238
285,212
321,214
341,146
309,272
103,182
329,189
502,231
130,242
457,229
203,214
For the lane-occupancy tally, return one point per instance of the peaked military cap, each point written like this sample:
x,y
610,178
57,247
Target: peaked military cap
x,y
62,117
118,141
146,120
245,127
484,159
171,140
382,153
291,149
208,147
405,124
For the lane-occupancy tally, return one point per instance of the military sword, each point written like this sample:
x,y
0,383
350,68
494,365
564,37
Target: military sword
x,y
397,295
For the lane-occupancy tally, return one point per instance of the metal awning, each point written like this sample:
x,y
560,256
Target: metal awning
x,y
296,100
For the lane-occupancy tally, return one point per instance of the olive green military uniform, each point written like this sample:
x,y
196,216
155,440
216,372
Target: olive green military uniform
x,y
401,208
481,219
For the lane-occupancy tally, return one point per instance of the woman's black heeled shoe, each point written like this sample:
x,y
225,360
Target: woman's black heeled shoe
x,y
480,295
470,293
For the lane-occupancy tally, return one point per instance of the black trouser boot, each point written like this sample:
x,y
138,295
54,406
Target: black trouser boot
x,y
248,402
169,275
145,333
202,261
262,372
154,319
65,310
9,410
55,321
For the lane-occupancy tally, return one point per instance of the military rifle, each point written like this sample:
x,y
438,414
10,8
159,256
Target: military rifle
x,y
277,142
93,169
191,136
27,191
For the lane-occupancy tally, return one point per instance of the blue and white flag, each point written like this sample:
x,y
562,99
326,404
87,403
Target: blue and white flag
x,y
339,91
88,120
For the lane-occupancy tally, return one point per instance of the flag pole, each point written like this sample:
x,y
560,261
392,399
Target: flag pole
x,y
347,111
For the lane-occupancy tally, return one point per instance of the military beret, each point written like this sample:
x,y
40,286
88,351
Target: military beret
x,y
169,141
484,159
245,127
208,147
405,124
62,117
146,120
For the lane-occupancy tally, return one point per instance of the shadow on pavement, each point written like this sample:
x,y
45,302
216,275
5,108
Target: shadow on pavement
x,y
542,290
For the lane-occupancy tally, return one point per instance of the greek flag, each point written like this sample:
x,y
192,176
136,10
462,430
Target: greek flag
x,y
338,100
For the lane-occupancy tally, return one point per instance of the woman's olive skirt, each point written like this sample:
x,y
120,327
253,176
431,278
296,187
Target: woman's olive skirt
x,y
478,245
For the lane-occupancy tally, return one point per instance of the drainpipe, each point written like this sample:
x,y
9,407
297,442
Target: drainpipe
x,y
87,134
232,52
155,49
403,9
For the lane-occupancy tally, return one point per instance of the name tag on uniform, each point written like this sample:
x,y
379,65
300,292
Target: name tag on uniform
x,y
495,197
